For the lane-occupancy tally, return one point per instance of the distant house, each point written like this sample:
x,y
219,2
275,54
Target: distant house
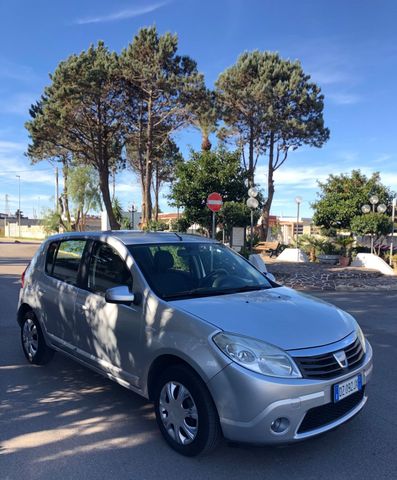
x,y
168,218
289,227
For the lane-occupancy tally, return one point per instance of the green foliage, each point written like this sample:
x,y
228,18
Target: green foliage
x,y
315,245
206,172
342,196
236,214
271,107
245,252
263,93
181,224
51,222
204,114
156,226
159,85
346,245
117,210
81,112
371,224
255,239
82,187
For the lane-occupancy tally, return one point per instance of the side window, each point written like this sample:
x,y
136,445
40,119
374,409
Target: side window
x,y
107,269
67,260
51,252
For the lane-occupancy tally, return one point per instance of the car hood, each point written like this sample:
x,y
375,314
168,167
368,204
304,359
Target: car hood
x,y
280,316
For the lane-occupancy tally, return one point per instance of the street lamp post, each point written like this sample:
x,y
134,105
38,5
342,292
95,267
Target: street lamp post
x,y
374,200
393,215
298,201
252,204
19,205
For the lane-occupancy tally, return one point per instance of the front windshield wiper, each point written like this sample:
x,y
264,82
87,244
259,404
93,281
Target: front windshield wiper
x,y
209,293
248,288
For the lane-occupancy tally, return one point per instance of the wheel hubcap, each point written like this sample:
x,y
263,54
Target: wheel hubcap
x,y
30,338
178,413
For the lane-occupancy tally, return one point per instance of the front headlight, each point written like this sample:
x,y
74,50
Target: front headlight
x,y
361,337
260,357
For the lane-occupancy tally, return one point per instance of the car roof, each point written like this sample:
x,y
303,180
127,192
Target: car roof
x,y
134,237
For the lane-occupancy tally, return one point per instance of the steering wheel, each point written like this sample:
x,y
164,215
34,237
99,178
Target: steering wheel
x,y
205,282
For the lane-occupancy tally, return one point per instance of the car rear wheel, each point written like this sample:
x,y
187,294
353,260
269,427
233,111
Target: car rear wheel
x,y
33,344
185,412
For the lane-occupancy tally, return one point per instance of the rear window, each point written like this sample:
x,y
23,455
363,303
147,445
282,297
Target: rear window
x,y
63,260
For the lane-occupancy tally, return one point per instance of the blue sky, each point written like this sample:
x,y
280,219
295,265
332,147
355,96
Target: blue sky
x,y
349,48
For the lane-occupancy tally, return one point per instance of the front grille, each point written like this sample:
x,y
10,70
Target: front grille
x,y
325,366
325,414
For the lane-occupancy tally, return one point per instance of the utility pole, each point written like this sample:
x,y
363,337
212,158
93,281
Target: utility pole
x,y
7,206
19,205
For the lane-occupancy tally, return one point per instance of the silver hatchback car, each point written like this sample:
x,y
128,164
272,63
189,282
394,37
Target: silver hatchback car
x,y
186,322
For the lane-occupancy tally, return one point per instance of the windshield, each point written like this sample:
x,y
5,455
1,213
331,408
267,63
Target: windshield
x,y
183,270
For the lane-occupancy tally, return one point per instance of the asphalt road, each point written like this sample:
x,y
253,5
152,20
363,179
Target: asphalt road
x,y
62,421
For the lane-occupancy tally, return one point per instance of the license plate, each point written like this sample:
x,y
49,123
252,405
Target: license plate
x,y
344,389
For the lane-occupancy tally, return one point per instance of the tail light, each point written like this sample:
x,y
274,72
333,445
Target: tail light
x,y
23,276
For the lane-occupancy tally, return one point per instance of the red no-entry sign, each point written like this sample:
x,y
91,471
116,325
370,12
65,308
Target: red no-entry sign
x,y
214,202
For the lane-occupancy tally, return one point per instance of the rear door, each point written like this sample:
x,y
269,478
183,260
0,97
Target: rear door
x,y
109,334
58,290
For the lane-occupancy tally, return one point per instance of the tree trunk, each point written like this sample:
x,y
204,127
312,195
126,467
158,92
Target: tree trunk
x,y
147,213
65,173
205,142
270,190
251,159
156,194
104,186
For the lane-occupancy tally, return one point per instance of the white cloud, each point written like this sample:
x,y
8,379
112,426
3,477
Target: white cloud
x,y
18,104
122,14
343,98
329,76
11,147
13,71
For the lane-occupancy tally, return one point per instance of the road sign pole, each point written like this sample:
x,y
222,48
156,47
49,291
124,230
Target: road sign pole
x,y
214,203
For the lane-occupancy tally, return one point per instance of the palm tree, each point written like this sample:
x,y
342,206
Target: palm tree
x,y
204,116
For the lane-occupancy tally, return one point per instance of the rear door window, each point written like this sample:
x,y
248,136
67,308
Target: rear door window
x,y
107,269
67,261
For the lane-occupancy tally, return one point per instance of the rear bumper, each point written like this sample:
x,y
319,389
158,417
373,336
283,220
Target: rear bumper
x,y
249,403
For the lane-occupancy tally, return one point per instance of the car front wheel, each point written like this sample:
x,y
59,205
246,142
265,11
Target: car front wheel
x,y
185,412
33,344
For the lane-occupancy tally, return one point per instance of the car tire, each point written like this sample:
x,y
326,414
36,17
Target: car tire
x,y
185,412
33,343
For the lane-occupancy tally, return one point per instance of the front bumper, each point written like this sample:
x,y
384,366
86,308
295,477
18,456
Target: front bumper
x,y
249,403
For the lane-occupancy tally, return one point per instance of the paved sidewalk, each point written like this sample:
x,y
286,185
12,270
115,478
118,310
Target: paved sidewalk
x,y
316,276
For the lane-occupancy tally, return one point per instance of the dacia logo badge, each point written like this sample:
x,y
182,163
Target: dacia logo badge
x,y
340,357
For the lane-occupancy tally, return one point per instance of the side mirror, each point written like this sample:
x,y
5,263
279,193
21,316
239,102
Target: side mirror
x,y
257,261
270,276
119,294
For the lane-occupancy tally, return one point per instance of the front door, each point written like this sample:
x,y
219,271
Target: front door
x,y
109,334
